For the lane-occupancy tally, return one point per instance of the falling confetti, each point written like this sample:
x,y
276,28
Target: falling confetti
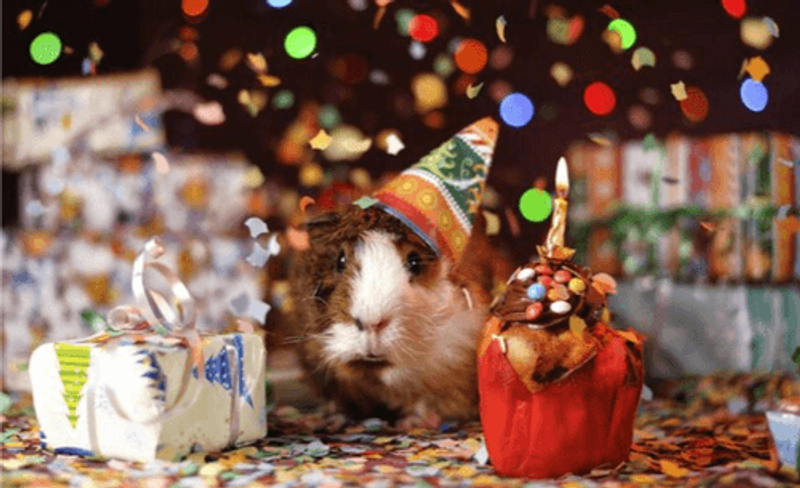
x,y
682,60
561,73
417,50
423,28
297,239
500,25
300,42
45,48
321,141
461,10
601,139
492,223
678,91
269,81
471,56
772,26
394,145
757,68
194,8
625,30
473,90
756,33
25,17
256,226
735,8
535,205
599,98
516,110
643,56
209,113
161,163
754,95
279,3
609,11
217,81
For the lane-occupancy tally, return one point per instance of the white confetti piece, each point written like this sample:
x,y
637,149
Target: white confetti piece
x,y
394,145
256,226
258,257
259,310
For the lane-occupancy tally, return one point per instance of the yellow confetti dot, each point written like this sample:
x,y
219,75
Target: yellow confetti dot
x,y
679,91
321,141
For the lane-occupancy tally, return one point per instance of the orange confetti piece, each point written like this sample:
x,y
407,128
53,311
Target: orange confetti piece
x,y
629,336
461,10
257,62
24,19
609,11
757,68
269,81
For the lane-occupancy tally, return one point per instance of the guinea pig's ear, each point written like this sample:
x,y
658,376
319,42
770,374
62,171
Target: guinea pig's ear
x,y
322,223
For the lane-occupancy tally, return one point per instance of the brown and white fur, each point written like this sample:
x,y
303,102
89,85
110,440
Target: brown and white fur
x,y
389,328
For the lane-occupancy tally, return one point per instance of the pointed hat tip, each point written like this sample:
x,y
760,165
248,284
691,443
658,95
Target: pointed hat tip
x,y
487,126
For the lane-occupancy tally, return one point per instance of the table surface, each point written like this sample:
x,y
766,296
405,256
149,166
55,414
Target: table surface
x,y
707,431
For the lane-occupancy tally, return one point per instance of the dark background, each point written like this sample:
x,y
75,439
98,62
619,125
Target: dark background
x,y
137,33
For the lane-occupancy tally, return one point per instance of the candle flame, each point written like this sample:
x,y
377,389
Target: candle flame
x,y
562,178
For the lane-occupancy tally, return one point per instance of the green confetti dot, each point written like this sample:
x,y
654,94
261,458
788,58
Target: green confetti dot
x,y
283,99
329,117
625,31
45,48
535,205
300,42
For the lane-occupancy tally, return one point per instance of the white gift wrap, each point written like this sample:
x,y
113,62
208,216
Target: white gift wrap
x,y
78,387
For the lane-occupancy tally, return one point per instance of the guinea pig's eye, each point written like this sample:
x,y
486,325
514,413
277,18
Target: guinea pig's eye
x,y
414,263
341,262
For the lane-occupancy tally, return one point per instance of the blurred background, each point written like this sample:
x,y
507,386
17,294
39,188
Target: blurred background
x,y
679,120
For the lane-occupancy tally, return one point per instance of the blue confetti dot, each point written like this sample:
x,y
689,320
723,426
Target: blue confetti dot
x,y
278,3
516,110
754,95
536,291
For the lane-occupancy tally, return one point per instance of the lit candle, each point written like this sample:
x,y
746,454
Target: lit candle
x,y
554,245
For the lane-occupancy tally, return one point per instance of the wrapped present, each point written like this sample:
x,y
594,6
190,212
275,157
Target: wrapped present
x,y
150,386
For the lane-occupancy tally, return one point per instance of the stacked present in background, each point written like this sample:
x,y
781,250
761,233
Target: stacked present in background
x,y
91,194
716,208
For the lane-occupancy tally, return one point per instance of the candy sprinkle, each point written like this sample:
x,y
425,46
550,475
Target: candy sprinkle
x,y
576,285
560,307
536,292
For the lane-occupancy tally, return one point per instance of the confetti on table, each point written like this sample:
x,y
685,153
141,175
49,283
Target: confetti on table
x,y
321,141
757,68
678,91
473,90
500,26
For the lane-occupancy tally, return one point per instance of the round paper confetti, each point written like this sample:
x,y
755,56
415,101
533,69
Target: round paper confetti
x,y
278,3
695,105
193,8
300,42
423,28
754,95
625,30
516,110
735,8
429,91
643,56
403,17
45,48
500,89
535,205
329,116
599,98
282,100
471,56
501,57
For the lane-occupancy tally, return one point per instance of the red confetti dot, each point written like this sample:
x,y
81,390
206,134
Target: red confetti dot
x,y
735,8
471,56
194,8
695,105
423,28
599,98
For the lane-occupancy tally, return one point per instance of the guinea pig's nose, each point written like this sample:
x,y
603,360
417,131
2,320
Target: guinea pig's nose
x,y
378,326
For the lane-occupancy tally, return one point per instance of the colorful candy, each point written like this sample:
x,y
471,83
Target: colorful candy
x,y
525,274
534,310
536,291
553,295
542,269
562,276
560,307
546,280
577,285
561,292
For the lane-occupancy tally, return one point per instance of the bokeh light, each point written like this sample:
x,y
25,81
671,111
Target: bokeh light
x,y
754,95
639,117
535,205
194,8
45,48
516,110
499,89
403,17
695,105
471,56
423,28
278,3
443,65
283,100
625,30
599,98
643,56
329,116
501,57
429,91
300,42
735,8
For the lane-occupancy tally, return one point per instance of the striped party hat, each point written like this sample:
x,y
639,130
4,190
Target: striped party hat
x,y
439,196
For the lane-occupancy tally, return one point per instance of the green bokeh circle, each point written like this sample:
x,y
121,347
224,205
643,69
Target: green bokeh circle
x,y
625,31
300,42
535,205
45,48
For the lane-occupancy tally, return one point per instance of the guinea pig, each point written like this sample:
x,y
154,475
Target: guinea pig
x,y
389,328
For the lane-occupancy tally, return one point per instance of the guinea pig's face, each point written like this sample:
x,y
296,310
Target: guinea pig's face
x,y
375,291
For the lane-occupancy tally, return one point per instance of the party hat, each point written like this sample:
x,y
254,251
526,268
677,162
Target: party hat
x,y
439,196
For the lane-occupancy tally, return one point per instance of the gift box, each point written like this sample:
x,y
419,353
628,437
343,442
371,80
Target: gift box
x,y
150,386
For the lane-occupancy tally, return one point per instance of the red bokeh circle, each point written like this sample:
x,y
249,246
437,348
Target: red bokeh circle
x,y
695,105
423,28
735,8
599,98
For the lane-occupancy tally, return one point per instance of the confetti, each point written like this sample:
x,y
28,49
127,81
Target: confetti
x,y
300,42
754,95
161,163
672,469
461,10
423,28
217,81
257,62
601,139
772,26
562,73
643,56
45,48
535,205
757,68
259,257
599,98
321,141
625,31
679,91
297,239
24,19
756,33
256,227
394,145
209,113
609,11
500,25
472,91
471,56
516,110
